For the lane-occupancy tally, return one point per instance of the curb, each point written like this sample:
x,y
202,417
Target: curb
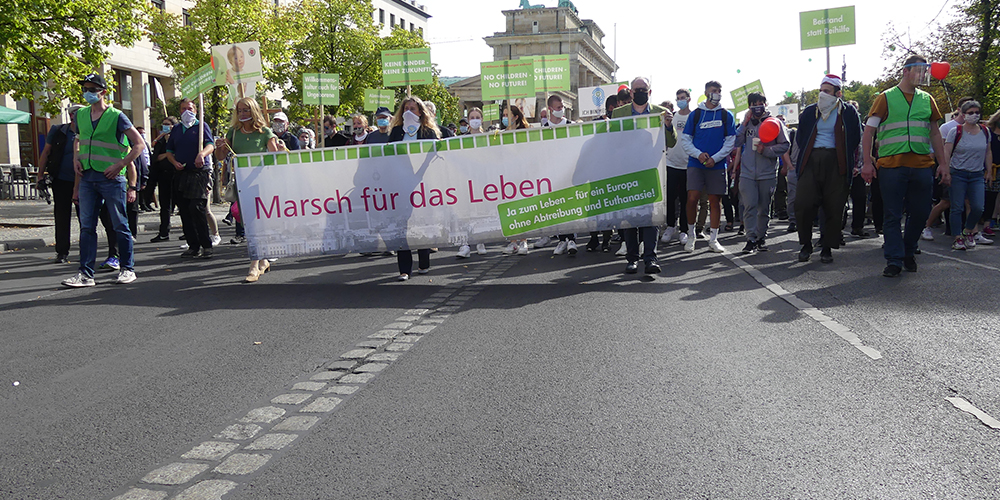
x,y
36,243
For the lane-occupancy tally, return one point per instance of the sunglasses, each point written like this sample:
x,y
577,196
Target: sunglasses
x,y
92,89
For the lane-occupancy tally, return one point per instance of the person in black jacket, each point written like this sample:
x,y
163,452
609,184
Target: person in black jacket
x,y
56,165
412,122
164,178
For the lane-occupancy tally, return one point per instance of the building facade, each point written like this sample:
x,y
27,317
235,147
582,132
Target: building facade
x,y
547,31
406,14
134,71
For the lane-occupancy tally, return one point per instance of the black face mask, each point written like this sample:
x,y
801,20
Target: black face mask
x,y
640,98
758,111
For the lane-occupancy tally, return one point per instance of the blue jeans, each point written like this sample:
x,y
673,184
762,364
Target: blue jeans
x,y
95,191
970,186
910,189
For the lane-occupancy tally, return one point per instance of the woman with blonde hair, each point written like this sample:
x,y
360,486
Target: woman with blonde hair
x,y
359,123
249,134
412,122
474,126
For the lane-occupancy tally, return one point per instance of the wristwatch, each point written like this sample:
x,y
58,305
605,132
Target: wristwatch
x,y
133,188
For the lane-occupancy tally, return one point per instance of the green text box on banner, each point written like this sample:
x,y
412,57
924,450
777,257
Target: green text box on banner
x,y
580,202
507,79
321,88
199,81
827,28
407,67
552,73
376,98
740,94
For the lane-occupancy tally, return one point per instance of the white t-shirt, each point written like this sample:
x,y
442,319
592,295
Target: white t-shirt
x,y
676,157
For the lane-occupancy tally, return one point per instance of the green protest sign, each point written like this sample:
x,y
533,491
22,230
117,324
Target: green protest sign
x,y
407,67
739,95
491,113
580,202
507,79
321,88
551,73
375,98
201,80
827,27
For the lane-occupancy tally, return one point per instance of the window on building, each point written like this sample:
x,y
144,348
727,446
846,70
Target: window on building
x,y
187,17
381,16
122,96
159,4
392,19
402,23
411,28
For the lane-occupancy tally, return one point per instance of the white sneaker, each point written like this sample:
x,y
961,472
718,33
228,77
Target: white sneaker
x,y
970,242
683,238
185,246
668,234
216,240
927,234
464,252
689,245
622,250
481,249
542,242
522,249
560,248
982,240
125,276
510,249
715,246
78,281
571,247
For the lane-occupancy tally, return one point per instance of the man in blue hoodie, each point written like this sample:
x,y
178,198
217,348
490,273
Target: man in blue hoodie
x,y
709,137
758,163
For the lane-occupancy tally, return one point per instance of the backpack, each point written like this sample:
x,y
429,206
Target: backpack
x,y
697,120
958,136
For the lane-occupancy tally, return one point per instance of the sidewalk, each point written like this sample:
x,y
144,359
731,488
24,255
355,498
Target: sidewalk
x,y
31,224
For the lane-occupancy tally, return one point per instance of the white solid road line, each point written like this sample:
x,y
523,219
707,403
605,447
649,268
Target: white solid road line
x,y
963,261
968,407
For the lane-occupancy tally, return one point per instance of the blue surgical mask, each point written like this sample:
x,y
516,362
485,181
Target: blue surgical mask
x,y
382,122
92,97
166,129
682,103
463,129
505,121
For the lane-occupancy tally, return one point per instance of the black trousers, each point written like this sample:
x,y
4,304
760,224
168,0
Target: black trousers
x,y
821,185
62,205
165,186
405,260
677,195
632,236
132,211
859,203
877,207
194,219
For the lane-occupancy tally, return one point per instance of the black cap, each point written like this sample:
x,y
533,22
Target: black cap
x,y
382,110
95,79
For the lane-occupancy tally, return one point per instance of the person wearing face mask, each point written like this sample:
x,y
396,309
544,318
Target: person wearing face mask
x,y
556,117
942,194
413,122
56,167
474,125
968,148
513,119
758,166
709,137
165,173
307,138
105,148
359,126
333,138
639,97
194,178
904,120
828,137
279,125
677,160
382,118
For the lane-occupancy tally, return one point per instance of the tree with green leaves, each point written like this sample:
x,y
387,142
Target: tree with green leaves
x,y
48,45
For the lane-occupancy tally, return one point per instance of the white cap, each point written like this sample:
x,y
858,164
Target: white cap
x,y
280,115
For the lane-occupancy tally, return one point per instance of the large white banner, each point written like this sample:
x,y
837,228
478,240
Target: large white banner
x,y
465,190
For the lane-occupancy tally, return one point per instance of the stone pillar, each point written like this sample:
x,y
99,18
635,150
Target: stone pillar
x,y
9,152
141,101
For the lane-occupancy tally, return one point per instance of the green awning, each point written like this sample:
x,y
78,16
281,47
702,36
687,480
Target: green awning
x,y
8,115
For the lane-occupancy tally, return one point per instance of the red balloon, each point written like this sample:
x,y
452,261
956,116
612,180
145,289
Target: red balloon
x,y
940,70
769,129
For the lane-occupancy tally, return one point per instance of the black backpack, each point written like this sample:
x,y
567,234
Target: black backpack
x,y
697,120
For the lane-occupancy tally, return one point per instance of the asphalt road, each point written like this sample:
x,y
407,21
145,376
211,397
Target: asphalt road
x,y
506,377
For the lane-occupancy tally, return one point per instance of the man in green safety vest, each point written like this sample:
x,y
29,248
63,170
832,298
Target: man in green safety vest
x,y
103,160
905,120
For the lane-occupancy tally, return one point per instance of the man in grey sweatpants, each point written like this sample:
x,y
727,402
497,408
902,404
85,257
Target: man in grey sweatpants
x,y
758,164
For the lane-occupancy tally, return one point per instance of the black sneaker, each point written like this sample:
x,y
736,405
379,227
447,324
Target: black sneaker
x,y
910,264
205,254
62,258
891,271
159,238
239,240
194,252
859,233
826,255
792,227
652,268
632,268
805,253
751,247
762,246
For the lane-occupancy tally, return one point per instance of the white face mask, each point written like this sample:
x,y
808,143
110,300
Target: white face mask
x,y
826,104
188,117
558,114
714,99
279,127
476,123
411,122
973,118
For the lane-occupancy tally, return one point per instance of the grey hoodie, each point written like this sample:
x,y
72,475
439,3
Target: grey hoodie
x,y
753,165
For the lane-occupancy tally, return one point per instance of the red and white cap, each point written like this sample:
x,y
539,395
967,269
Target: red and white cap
x,y
832,80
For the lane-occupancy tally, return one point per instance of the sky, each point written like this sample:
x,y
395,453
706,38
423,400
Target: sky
x,y
679,45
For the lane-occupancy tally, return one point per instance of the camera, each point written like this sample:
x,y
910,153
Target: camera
x,y
43,189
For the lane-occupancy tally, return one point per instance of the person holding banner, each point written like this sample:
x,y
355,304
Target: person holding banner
x,y
709,137
382,118
513,119
359,123
413,123
475,126
249,134
639,97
